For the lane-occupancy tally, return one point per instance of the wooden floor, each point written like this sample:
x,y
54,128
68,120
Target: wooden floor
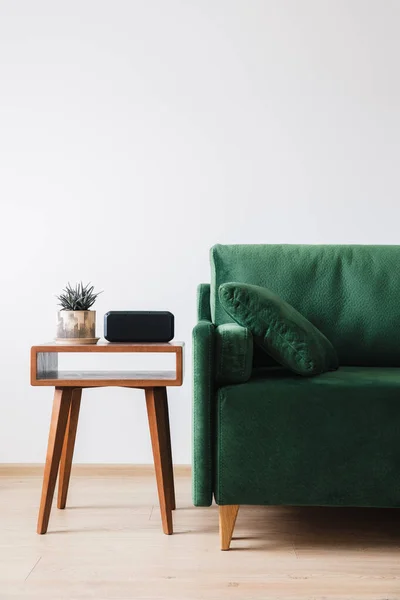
x,y
108,544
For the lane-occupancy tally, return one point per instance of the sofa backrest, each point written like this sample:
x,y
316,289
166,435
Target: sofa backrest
x,y
351,293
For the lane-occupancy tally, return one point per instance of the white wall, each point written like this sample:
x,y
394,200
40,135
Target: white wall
x,y
134,134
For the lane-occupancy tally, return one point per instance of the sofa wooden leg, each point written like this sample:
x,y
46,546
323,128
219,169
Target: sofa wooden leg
x,y
227,520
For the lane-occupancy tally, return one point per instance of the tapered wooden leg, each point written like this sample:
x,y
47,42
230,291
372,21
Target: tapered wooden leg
x,y
59,418
227,520
170,470
156,400
68,448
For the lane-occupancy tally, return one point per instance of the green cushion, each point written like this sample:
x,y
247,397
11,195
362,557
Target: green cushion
x,y
279,328
233,353
351,293
327,440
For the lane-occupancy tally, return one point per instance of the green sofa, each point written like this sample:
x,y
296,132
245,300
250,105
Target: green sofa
x,y
265,436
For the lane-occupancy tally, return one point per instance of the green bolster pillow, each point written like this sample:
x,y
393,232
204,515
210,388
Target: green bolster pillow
x,y
279,329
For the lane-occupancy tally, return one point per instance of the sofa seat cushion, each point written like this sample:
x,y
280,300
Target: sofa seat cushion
x,y
331,440
279,329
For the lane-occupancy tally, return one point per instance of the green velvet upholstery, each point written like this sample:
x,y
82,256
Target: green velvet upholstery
x,y
203,411
278,328
350,293
326,440
234,353
203,302
279,438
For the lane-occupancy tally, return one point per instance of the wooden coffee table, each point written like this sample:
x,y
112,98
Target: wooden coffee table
x,y
64,420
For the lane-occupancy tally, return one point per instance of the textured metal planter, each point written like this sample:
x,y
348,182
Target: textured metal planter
x,y
76,327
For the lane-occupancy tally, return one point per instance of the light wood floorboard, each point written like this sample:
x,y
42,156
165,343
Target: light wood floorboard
x,y
108,545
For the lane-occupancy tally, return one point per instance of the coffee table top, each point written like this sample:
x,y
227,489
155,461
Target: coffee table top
x,y
45,371
104,346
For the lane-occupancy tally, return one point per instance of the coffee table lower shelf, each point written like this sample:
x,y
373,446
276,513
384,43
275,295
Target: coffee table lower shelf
x,y
108,378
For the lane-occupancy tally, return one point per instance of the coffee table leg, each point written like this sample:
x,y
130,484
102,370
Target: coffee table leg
x,y
171,485
157,412
59,417
68,448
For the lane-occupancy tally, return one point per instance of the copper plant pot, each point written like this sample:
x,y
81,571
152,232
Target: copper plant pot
x,y
76,327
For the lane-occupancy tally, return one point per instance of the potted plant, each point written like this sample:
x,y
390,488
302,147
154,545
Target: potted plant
x,y
76,324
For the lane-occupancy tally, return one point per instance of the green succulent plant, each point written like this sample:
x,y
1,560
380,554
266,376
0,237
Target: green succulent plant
x,y
78,298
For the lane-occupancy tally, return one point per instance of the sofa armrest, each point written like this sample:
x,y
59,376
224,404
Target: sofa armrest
x,y
203,411
231,356
203,302
233,353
